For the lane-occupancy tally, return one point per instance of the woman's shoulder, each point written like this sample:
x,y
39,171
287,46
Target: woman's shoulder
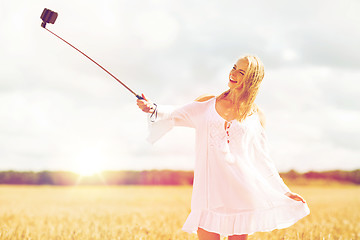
x,y
204,98
261,115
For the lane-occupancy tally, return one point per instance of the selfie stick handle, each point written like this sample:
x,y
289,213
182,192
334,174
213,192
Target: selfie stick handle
x,y
136,95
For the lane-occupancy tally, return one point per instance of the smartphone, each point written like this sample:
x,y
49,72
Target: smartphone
x,y
49,16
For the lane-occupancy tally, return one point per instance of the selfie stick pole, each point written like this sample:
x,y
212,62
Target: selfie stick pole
x,y
49,16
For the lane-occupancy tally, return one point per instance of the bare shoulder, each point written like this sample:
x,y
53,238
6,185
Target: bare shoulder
x,y
204,98
261,116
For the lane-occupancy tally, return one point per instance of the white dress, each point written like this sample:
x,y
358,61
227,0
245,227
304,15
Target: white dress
x,y
236,189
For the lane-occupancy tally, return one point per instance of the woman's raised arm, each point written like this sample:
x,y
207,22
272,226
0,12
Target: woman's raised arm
x,y
163,118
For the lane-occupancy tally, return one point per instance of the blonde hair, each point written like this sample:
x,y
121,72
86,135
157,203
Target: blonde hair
x,y
244,97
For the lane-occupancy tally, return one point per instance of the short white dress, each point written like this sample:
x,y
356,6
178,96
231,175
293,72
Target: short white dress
x,y
237,188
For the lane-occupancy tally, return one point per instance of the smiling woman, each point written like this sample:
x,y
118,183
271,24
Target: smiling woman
x,y
237,189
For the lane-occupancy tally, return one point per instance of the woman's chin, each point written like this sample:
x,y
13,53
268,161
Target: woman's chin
x,y
231,84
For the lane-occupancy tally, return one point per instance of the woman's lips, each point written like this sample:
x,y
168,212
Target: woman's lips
x,y
232,81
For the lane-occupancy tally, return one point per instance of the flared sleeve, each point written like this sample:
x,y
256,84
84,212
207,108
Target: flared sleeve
x,y
169,116
266,164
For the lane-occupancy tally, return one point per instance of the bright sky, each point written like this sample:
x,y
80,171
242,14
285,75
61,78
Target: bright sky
x,y
59,111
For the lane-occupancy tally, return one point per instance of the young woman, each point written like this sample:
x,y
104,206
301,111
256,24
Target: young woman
x,y
237,189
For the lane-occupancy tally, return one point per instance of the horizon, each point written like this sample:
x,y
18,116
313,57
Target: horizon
x,y
163,169
158,177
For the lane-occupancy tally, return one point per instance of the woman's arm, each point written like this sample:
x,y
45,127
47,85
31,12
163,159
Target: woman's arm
x,y
274,175
187,115
263,159
182,116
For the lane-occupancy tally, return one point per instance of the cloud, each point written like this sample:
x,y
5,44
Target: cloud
x,y
55,103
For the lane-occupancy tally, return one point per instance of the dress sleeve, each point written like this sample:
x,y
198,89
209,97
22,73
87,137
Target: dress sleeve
x,y
266,164
170,116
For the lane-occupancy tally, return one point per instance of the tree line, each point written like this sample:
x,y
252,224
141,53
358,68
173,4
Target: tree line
x,y
149,177
333,175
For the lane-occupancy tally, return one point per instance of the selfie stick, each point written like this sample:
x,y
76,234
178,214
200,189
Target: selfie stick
x,y
49,16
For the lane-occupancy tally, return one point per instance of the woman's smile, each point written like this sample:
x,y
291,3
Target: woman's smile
x,y
231,80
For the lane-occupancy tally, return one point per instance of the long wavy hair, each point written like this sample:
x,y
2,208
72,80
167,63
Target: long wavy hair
x,y
244,96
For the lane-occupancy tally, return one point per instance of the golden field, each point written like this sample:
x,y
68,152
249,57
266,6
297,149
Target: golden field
x,y
154,212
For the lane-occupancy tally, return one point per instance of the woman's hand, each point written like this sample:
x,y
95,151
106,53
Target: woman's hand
x,y
145,105
295,196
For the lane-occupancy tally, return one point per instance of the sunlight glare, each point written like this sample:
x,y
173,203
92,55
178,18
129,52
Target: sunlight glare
x,y
89,162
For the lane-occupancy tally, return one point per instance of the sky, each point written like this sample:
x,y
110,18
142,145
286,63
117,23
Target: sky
x,y
59,111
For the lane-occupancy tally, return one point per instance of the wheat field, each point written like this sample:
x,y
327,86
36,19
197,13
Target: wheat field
x,y
154,212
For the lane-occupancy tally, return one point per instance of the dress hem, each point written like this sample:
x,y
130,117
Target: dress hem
x,y
246,223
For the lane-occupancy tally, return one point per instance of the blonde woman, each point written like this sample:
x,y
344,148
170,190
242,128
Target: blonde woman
x,y
237,189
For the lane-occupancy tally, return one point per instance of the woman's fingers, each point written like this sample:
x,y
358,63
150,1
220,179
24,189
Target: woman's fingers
x,y
295,196
301,198
143,101
145,105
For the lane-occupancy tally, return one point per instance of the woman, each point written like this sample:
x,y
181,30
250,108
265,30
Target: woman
x,y
237,190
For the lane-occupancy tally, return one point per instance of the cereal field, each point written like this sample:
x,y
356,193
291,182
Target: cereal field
x,y
139,212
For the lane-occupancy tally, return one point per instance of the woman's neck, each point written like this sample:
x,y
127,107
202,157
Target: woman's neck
x,y
231,96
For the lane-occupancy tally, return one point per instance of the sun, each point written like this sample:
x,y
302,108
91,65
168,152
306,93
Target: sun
x,y
88,171
88,162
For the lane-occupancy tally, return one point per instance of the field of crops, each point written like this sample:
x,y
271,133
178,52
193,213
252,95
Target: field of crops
x,y
139,212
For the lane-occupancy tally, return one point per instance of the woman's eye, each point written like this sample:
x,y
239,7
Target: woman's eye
x,y
242,73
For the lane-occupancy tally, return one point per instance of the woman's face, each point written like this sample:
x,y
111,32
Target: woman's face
x,y
237,73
